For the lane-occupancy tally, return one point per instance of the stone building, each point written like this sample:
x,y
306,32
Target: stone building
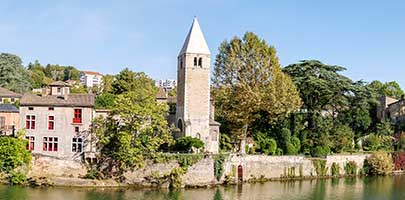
x,y
391,108
7,96
58,123
193,108
9,119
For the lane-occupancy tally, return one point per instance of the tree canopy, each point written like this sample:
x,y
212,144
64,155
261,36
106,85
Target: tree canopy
x,y
13,75
248,83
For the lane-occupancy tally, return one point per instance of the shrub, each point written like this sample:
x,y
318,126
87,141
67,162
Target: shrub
x,y
342,139
93,174
265,144
293,146
219,162
320,151
13,153
186,144
378,164
17,178
375,142
320,167
335,169
351,168
399,160
401,143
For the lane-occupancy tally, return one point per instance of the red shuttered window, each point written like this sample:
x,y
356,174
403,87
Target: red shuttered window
x,y
51,122
31,143
77,116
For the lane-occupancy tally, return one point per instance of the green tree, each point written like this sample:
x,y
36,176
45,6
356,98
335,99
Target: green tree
x,y
78,89
393,89
55,72
13,75
71,73
13,154
136,127
128,80
107,82
105,100
37,74
248,83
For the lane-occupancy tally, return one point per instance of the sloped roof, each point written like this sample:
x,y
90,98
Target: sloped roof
x,y
7,93
8,108
195,41
59,83
82,100
91,73
161,94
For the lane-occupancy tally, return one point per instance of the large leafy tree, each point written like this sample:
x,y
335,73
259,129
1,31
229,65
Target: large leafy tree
x,y
13,75
325,93
128,80
248,84
391,89
136,127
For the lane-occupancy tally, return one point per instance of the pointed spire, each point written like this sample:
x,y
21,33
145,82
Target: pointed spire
x,y
195,41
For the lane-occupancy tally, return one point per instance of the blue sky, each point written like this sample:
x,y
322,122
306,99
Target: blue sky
x,y
367,37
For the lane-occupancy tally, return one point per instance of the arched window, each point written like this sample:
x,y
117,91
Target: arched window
x,y
198,136
200,62
195,61
180,125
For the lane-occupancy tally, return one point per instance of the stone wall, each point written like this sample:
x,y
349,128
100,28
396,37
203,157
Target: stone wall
x,y
202,173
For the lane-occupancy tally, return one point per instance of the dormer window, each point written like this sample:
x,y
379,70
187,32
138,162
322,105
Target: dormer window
x,y
195,61
200,62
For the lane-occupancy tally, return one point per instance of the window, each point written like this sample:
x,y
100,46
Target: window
x,y
195,61
50,108
58,89
181,63
2,122
200,62
77,130
50,144
77,116
1,100
30,122
51,122
77,144
31,143
12,100
30,108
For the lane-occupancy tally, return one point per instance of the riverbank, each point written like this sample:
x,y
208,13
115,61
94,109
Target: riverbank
x,y
208,171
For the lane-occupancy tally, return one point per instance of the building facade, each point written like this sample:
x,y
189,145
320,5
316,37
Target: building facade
x,y
9,119
57,123
90,79
7,96
193,107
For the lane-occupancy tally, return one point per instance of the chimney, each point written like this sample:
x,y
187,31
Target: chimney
x,y
65,93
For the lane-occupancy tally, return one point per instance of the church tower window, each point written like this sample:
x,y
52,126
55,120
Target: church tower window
x,y
195,61
200,62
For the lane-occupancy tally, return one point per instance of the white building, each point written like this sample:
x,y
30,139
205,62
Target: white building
x,y
167,84
90,79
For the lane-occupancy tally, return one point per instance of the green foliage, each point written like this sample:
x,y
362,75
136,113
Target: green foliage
x,y
17,177
187,144
293,146
140,129
375,142
342,139
320,151
175,177
219,161
13,154
385,127
351,168
225,143
401,143
128,81
379,164
105,100
13,76
93,174
320,167
335,169
264,144
187,160
78,89
248,85
392,89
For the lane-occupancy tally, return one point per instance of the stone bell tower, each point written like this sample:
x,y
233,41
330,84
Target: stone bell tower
x,y
193,89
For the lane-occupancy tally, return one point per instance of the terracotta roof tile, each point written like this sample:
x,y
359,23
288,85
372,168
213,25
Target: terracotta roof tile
x,y
83,100
7,93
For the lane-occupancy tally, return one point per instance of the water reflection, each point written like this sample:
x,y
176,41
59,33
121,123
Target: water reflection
x,y
349,188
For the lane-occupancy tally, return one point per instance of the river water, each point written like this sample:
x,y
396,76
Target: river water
x,y
391,187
